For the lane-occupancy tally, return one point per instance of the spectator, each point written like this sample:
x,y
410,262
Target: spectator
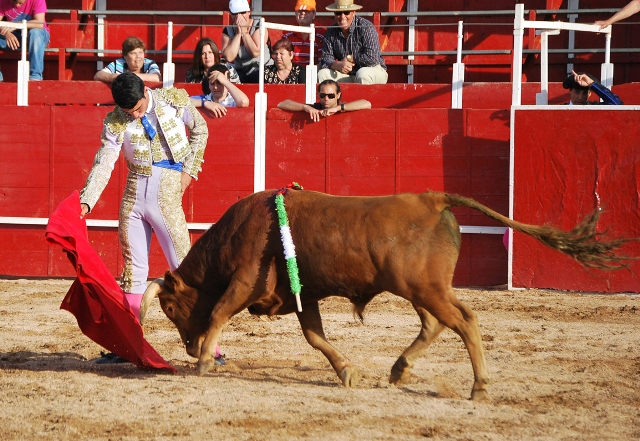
x,y
580,86
133,60
329,104
631,8
351,51
219,92
283,71
205,55
38,35
305,15
241,43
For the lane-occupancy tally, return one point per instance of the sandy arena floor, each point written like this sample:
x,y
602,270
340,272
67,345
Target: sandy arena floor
x,y
564,366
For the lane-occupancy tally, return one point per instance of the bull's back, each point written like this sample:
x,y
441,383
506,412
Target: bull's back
x,y
369,243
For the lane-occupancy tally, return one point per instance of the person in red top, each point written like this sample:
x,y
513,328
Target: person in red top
x,y
305,15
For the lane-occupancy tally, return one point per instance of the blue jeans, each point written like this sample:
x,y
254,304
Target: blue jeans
x,y
37,40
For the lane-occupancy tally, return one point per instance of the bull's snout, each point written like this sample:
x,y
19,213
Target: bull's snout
x,y
194,347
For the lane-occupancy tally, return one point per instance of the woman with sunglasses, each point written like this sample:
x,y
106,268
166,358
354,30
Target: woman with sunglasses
x,y
330,103
241,43
351,50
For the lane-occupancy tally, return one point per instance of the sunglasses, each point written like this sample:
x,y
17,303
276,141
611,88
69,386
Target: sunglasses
x,y
327,95
338,14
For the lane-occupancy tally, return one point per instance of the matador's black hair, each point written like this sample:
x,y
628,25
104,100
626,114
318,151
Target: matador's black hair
x,y
127,89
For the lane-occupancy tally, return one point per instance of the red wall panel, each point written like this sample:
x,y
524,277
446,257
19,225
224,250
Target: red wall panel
x,y
573,166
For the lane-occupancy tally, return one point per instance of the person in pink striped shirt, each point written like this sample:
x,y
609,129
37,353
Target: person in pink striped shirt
x,y
305,15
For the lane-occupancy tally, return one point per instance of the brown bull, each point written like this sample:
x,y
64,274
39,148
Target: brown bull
x,y
354,247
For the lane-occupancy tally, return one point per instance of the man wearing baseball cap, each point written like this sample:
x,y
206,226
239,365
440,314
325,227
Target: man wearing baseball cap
x,y
351,50
580,86
305,15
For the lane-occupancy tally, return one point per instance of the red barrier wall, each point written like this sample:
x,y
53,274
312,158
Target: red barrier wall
x,y
462,151
568,163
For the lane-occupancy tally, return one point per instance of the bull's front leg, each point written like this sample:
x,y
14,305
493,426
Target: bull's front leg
x,y
228,305
311,324
206,360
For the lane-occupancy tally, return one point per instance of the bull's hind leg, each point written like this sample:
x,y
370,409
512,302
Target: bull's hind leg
x,y
457,316
431,328
311,324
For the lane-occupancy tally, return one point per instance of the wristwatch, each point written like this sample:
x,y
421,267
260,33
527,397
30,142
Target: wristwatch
x,y
342,107
203,100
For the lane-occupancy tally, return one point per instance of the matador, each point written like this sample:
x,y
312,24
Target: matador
x,y
149,126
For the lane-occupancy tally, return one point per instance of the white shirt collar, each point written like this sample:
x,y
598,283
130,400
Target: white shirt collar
x,y
150,95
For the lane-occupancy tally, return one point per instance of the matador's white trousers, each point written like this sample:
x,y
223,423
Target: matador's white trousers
x,y
150,203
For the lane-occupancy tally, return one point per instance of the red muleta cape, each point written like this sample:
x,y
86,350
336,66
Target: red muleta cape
x,y
95,298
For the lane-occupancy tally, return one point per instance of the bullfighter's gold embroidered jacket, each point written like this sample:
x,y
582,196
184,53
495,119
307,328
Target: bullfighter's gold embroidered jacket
x,y
174,112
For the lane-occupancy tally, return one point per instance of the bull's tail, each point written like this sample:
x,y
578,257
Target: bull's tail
x,y
581,242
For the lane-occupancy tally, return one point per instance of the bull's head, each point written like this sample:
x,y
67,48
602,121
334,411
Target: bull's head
x,y
180,303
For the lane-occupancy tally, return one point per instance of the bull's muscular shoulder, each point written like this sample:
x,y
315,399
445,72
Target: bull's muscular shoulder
x,y
116,121
173,96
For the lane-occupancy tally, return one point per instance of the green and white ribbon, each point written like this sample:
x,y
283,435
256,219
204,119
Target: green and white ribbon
x,y
289,249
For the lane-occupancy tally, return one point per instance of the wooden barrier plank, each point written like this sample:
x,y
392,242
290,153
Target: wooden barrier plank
x,y
562,173
20,253
488,259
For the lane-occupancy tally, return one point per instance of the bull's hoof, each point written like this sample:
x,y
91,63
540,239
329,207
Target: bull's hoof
x,y
349,376
480,396
400,372
205,366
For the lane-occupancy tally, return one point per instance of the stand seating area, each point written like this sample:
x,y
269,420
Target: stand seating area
x,y
85,32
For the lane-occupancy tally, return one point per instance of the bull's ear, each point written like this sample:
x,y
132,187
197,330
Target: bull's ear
x,y
170,282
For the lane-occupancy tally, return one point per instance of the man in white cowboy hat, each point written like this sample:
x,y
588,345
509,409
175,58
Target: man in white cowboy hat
x,y
351,50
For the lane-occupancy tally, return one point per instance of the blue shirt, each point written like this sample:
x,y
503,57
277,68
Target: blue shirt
x,y
120,66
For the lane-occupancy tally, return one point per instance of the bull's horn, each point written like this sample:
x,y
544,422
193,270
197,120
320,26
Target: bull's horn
x,y
152,290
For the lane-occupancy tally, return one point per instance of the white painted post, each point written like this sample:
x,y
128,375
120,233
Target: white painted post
x,y
169,68
542,98
412,6
574,5
606,70
23,70
101,5
518,34
260,121
312,71
458,74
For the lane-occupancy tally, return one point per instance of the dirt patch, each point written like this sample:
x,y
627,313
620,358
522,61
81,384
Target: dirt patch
x,y
564,366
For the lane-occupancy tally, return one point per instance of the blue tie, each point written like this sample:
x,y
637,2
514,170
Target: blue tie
x,y
148,127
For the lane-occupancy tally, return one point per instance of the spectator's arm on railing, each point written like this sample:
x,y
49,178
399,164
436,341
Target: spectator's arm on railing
x,y
104,76
631,8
